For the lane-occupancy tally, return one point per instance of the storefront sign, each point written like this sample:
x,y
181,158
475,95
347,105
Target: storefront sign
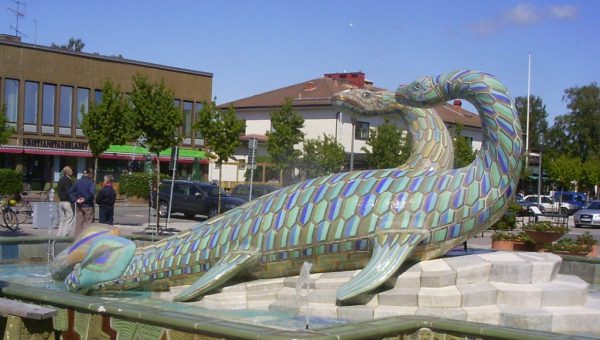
x,y
54,144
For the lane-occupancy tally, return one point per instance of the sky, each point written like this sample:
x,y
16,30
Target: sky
x,y
255,46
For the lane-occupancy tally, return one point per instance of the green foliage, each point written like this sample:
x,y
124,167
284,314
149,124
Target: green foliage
x,y
107,122
136,184
221,130
11,182
538,118
508,221
564,170
72,45
545,226
286,132
153,114
322,157
388,148
463,151
503,236
5,130
581,245
591,173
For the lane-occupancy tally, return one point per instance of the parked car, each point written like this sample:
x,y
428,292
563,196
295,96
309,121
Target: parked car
x,y
588,216
573,201
550,205
194,198
243,190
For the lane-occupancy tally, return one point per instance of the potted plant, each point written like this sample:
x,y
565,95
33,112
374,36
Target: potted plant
x,y
503,240
583,245
523,242
544,232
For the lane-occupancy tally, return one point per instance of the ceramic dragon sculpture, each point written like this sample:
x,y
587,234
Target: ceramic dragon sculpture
x,y
374,220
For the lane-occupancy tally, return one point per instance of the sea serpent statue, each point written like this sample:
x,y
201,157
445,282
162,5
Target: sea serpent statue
x,y
373,219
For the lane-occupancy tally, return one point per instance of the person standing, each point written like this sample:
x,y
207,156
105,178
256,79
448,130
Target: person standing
x,y
82,193
65,211
106,200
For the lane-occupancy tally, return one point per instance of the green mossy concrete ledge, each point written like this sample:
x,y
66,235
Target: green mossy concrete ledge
x,y
210,326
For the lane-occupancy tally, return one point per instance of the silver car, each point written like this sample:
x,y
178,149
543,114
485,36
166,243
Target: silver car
x,y
588,216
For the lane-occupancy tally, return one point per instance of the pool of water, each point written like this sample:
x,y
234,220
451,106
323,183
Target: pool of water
x,y
39,276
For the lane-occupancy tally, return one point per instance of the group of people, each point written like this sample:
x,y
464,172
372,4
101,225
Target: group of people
x,y
77,198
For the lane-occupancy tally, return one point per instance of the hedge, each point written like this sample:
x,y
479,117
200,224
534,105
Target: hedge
x,y
136,184
11,182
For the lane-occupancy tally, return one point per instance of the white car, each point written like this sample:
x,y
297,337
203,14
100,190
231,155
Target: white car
x,y
550,206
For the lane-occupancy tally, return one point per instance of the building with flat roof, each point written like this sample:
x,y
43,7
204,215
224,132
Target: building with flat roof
x,y
46,91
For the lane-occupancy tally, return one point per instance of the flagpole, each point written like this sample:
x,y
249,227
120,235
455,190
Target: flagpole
x,y
527,127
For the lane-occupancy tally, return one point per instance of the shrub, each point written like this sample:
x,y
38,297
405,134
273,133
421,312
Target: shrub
x,y
545,226
11,182
503,236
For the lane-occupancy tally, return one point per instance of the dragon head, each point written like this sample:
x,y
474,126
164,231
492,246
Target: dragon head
x,y
365,102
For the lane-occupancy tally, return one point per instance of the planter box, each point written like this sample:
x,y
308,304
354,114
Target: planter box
x,y
503,245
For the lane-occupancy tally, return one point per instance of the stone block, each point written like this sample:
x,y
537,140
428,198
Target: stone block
x,y
510,294
336,275
316,295
442,278
399,297
526,318
326,310
386,311
582,270
240,287
330,283
575,320
469,269
501,256
409,279
483,314
511,272
571,280
446,313
260,304
478,294
556,294
266,295
442,297
265,284
355,313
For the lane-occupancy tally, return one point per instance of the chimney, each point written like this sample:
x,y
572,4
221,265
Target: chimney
x,y
457,103
355,78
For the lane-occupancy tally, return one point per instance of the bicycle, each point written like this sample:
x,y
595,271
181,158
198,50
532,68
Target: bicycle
x,y
24,209
9,215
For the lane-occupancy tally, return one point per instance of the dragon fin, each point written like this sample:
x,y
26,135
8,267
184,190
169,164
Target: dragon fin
x,y
226,268
389,252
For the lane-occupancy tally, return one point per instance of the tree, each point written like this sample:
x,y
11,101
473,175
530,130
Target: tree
x,y
73,45
322,157
5,130
107,122
591,174
388,148
556,141
565,170
221,132
155,118
584,119
538,118
463,151
286,132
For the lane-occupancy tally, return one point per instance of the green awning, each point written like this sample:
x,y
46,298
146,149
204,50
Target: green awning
x,y
184,153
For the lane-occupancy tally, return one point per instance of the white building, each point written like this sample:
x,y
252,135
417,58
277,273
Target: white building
x,y
312,100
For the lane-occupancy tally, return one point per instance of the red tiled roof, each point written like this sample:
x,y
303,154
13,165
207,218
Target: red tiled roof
x,y
318,92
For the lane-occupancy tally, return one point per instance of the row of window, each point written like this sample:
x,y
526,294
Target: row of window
x,y
66,101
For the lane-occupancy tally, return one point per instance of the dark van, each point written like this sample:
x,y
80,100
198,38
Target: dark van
x,y
573,200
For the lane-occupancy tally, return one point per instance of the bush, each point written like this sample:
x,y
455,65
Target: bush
x,y
136,184
546,226
11,182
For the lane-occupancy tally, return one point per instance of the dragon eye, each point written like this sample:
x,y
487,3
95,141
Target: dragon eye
x,y
417,86
366,95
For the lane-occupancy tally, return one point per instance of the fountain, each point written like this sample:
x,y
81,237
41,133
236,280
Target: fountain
x,y
375,240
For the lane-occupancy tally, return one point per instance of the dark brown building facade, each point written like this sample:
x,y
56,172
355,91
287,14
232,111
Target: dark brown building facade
x,y
46,91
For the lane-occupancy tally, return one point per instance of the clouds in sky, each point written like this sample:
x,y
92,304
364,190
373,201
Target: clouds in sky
x,y
524,14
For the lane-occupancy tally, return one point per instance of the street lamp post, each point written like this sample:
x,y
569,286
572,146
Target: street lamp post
x,y
539,189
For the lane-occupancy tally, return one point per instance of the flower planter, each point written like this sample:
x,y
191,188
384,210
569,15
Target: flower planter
x,y
503,245
544,237
523,246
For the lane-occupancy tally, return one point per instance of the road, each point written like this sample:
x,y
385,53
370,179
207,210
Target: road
x,y
138,215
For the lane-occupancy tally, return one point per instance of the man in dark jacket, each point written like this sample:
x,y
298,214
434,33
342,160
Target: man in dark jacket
x,y
106,200
65,212
82,193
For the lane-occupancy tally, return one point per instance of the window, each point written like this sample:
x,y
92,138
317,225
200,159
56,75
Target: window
x,y
48,98
83,104
197,108
176,103
31,102
361,130
11,99
66,106
98,96
187,119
